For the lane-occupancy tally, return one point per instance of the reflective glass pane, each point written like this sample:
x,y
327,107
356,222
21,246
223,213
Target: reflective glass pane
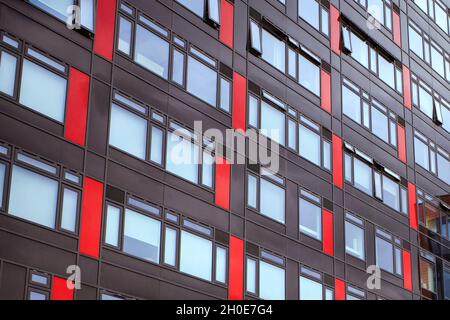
x,y
7,73
384,254
351,104
309,11
124,44
157,145
310,219
271,282
112,225
272,123
69,210
310,290
202,81
354,240
363,176
309,75
196,256
272,200
170,247
380,126
151,52
273,51
309,145
221,265
182,157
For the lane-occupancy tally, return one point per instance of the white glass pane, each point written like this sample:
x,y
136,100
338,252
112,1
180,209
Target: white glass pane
x,y
443,169
272,200
178,67
56,8
87,14
253,112
327,155
196,256
292,134
380,124
310,290
157,145
386,71
2,182
255,36
124,44
252,191
251,275
151,52
41,194
271,282
182,157
384,255
309,75
112,226
437,61
221,265
421,153
360,50
141,236
309,11
391,193
354,240
202,81
69,210
415,42
309,145
363,176
426,102
310,219
43,91
272,123
348,167
273,51
225,94
196,6
7,73
351,104
128,132
170,247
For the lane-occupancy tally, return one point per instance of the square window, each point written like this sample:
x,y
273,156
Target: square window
x,y
196,256
202,81
271,282
310,290
310,219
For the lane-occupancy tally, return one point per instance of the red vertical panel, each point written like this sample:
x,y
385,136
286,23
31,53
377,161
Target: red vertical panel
x,y
338,177
407,88
77,106
223,176
91,217
60,291
396,29
339,288
227,23
335,30
236,285
325,90
328,232
413,219
407,270
105,28
239,102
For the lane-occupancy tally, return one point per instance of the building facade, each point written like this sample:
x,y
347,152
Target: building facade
x,y
356,90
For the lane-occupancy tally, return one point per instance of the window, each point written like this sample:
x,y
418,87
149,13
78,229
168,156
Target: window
x,y
429,51
354,293
70,208
446,282
431,157
271,282
375,180
354,236
221,265
128,132
315,14
271,196
61,10
113,217
311,287
8,67
196,256
427,269
170,247
275,46
310,215
429,215
196,6
172,58
313,140
208,10
437,11
2,182
141,236
381,10
388,252
182,157
372,58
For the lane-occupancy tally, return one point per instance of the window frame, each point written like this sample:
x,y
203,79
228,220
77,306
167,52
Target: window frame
x,y
358,222
396,244
322,8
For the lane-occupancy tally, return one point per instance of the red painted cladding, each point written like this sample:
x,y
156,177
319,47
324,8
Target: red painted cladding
x,y
401,143
339,287
407,88
227,23
407,270
396,29
91,218
328,232
77,107
60,291
239,102
236,285
223,176
338,177
105,28
325,90
335,30
413,219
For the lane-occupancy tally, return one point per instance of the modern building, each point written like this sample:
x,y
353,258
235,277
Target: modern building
x,y
93,93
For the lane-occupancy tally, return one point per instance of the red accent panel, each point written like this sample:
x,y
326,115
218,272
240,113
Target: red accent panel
x,y
338,177
328,232
227,23
412,194
325,88
77,106
396,29
60,291
339,287
401,143
91,217
407,270
335,29
105,28
239,102
407,88
236,286
223,176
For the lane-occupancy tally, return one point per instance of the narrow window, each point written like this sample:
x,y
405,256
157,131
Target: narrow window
x,y
255,37
112,225
225,95
221,265
7,73
170,247
214,11
252,191
178,67
69,210
251,276
125,30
